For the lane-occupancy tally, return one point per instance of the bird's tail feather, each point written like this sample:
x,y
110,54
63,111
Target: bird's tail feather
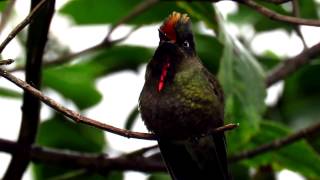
x,y
204,158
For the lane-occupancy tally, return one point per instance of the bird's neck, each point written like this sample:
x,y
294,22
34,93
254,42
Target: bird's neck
x,y
163,72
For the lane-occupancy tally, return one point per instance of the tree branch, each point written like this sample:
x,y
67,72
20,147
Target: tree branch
x,y
279,143
36,41
106,43
139,9
74,159
133,161
22,25
85,120
292,64
277,1
6,62
279,17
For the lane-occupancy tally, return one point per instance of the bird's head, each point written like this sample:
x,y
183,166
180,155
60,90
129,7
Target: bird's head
x,y
176,32
176,45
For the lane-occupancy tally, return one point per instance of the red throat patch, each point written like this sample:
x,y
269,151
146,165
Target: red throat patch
x,y
168,27
163,76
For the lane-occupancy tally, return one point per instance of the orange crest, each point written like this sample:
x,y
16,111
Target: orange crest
x,y
168,27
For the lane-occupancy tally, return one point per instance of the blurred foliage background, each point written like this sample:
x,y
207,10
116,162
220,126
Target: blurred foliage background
x,y
241,70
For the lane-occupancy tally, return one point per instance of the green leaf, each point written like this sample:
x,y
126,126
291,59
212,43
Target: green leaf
x,y
268,60
308,9
111,11
5,92
242,79
71,135
301,111
159,176
3,5
77,82
118,58
59,132
288,157
209,50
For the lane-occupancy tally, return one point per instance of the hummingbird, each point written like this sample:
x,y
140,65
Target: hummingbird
x,y
181,102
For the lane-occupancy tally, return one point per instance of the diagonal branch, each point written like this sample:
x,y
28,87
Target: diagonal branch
x,y
6,62
277,144
139,9
22,25
134,161
277,1
85,120
291,65
75,159
106,43
279,17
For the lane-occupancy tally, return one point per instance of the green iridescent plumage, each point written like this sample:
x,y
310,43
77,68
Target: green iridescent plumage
x,y
181,101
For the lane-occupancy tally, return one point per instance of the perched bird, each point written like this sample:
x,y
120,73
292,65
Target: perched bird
x,y
181,101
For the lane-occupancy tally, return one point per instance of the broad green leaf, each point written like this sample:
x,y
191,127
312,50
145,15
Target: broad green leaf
x,y
9,93
308,9
159,176
209,50
77,81
300,102
119,58
299,156
268,60
242,79
59,132
71,135
111,11
3,5
301,97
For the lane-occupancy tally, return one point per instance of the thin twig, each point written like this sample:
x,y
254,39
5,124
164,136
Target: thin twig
x,y
103,45
20,26
136,11
85,120
279,17
70,57
292,64
277,1
6,62
279,143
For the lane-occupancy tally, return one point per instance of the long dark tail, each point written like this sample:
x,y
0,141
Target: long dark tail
x,y
203,159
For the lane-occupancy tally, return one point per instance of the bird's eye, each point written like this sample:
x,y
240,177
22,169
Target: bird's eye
x,y
186,44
